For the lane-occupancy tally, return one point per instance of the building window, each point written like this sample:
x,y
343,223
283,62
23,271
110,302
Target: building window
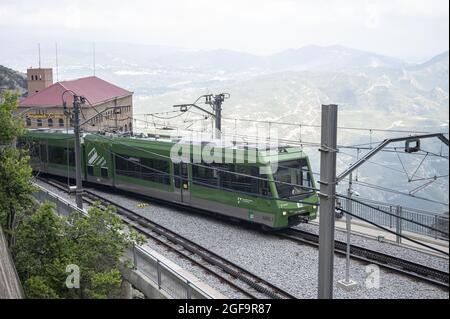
x,y
39,122
129,127
50,122
126,128
61,122
28,121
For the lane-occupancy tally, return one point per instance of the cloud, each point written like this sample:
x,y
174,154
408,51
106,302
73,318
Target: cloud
x,y
252,25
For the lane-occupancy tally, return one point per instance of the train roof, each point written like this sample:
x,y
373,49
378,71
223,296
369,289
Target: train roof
x,y
161,144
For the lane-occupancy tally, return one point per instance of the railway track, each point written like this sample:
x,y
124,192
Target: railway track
x,y
392,263
231,274
405,267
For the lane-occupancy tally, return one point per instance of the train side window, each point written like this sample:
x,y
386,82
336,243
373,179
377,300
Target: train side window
x,y
176,174
143,168
239,178
263,186
43,149
71,154
155,170
90,170
104,172
204,175
57,155
34,150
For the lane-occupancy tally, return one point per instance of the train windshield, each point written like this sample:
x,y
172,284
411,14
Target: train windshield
x,y
293,172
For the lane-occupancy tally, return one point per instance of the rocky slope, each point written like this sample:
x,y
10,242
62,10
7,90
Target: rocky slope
x,y
12,80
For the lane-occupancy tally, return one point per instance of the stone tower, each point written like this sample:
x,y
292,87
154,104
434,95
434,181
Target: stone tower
x,y
38,79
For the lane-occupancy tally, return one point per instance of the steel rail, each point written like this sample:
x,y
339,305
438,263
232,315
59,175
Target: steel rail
x,y
405,267
250,284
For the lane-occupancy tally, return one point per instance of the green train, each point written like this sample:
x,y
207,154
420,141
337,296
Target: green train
x,y
257,192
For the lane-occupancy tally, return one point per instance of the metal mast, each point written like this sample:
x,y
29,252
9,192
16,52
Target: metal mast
x,y
327,200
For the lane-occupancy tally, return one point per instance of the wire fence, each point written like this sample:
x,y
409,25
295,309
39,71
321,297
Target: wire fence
x,y
401,218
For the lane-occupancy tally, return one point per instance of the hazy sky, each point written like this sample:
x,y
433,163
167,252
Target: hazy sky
x,y
401,28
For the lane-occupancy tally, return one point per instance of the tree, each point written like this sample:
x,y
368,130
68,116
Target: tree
x,y
44,244
15,172
99,242
47,244
37,288
42,251
11,126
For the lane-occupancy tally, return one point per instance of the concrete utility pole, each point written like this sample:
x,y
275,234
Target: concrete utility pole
x,y
327,200
77,101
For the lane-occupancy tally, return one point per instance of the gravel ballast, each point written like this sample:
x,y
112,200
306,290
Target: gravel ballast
x,y
289,265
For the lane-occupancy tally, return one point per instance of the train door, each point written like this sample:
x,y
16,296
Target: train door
x,y
181,182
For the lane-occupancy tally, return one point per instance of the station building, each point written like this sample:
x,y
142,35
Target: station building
x,y
108,107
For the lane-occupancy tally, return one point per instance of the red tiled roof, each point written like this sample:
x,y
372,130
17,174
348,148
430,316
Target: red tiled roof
x,y
93,88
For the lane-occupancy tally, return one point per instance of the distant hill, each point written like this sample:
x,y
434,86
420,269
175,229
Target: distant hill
x,y
12,80
330,58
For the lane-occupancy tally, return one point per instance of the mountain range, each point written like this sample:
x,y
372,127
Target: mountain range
x,y
372,91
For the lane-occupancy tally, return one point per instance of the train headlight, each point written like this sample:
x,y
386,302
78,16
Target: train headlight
x,y
314,207
284,213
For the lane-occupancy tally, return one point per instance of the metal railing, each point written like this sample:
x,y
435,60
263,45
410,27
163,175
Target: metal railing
x,y
166,278
399,218
175,284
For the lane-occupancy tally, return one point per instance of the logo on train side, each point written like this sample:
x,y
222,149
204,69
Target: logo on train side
x,y
95,159
244,200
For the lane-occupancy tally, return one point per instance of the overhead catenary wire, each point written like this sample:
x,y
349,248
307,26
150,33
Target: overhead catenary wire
x,y
339,127
398,192
379,164
393,232
304,143
269,197
265,179
253,177
393,191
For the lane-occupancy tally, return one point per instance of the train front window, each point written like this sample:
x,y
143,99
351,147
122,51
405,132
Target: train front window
x,y
293,172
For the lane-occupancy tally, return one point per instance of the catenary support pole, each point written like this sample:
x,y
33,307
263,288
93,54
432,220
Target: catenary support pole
x,y
348,223
76,125
218,99
327,200
347,283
